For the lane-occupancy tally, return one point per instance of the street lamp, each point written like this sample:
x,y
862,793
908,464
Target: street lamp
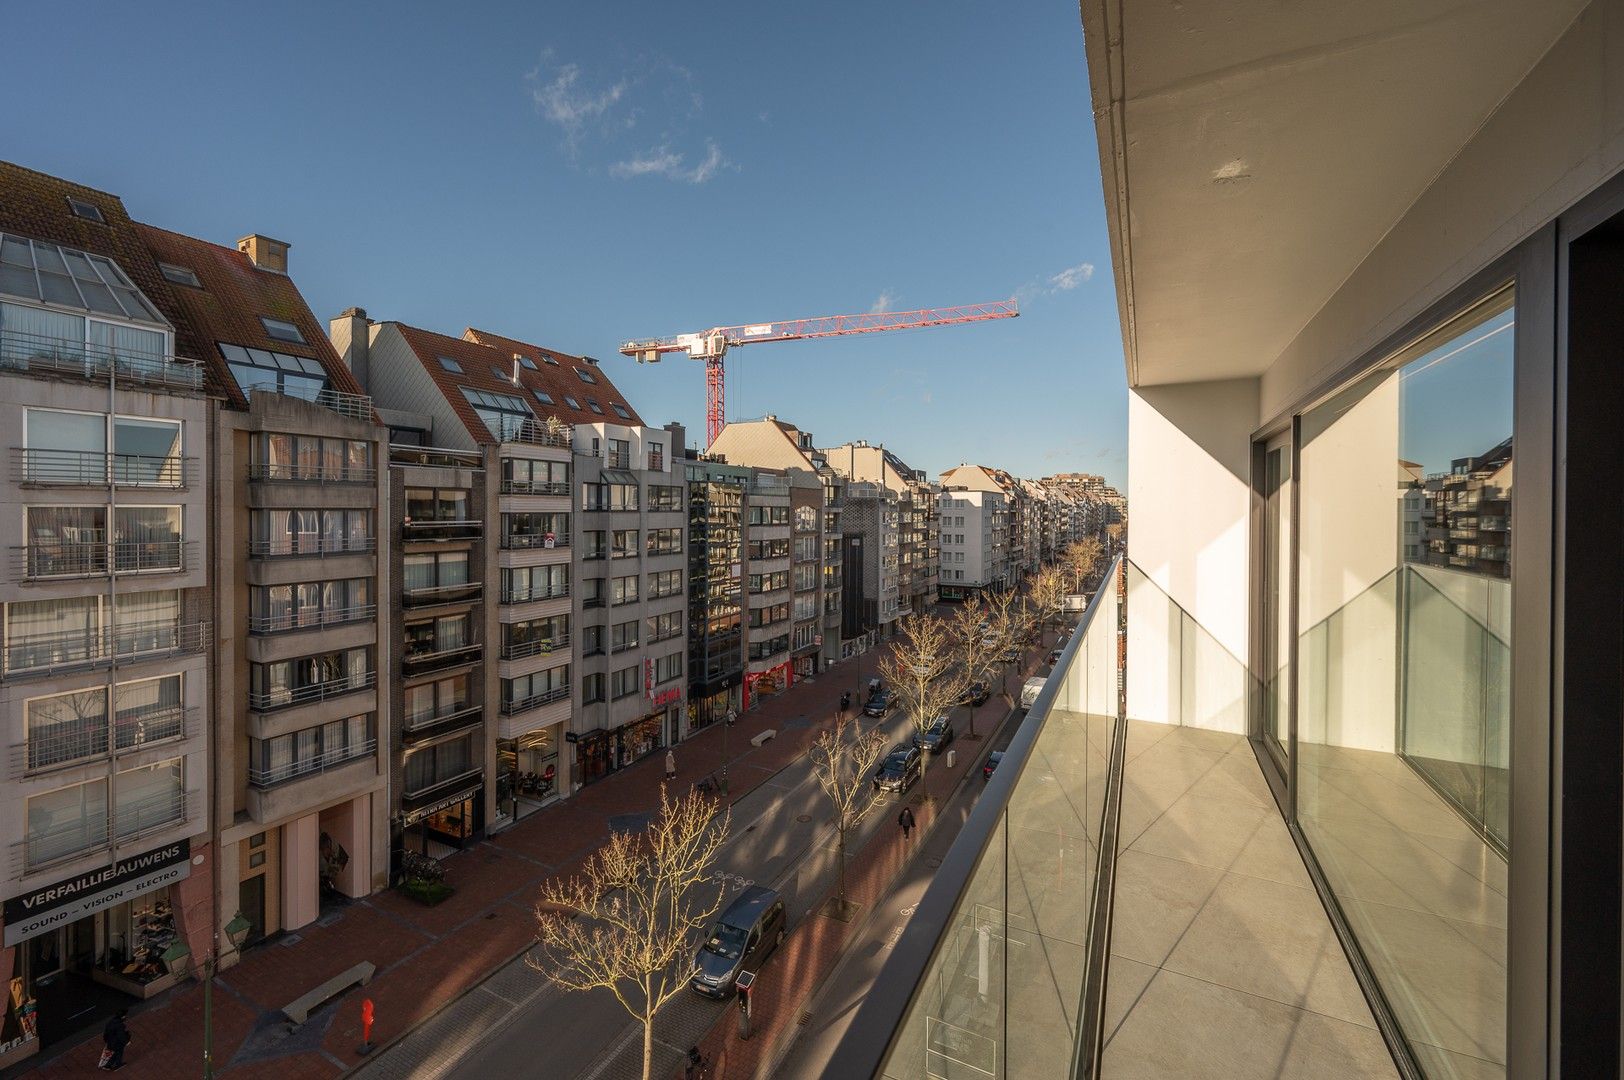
x,y
178,961
727,722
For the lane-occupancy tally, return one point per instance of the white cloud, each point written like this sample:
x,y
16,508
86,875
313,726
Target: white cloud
x,y
663,161
1071,277
565,103
884,302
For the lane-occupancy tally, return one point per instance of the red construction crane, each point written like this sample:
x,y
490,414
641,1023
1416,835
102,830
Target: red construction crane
x,y
711,345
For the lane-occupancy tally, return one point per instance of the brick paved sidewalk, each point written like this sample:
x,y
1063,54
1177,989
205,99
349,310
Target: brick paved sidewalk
x,y
427,957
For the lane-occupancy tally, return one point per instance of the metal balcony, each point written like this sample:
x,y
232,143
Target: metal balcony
x,y
443,529
431,595
520,650
66,358
307,544
48,559
535,487
296,770
44,654
526,596
535,701
85,738
265,701
310,620
94,468
354,406
414,664
532,541
267,472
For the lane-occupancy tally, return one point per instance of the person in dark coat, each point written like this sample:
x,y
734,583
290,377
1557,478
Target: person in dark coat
x,y
115,1036
906,820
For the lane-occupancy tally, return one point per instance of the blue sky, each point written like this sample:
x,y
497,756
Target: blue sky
x,y
579,174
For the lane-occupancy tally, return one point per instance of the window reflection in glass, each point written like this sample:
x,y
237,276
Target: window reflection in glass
x,y
1404,655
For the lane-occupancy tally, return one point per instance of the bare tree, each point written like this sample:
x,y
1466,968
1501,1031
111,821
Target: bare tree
x,y
920,671
1003,636
843,760
970,648
1048,594
626,922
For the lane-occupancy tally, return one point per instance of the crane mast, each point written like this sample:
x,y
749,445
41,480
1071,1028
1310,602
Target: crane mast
x,y
712,345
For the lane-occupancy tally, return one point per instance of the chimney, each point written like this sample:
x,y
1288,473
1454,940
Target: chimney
x,y
351,334
267,254
517,364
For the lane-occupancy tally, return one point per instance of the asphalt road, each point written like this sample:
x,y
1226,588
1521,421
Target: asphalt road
x,y
780,836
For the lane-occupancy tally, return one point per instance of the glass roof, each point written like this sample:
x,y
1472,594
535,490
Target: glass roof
x,y
64,277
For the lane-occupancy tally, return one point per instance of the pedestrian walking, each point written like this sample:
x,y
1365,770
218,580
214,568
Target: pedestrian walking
x,y
906,820
115,1037
845,703
670,765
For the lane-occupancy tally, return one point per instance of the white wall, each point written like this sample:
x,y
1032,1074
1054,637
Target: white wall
x,y
1188,453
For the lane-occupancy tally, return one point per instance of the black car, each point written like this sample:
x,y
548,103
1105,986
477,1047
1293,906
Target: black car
x,y
974,694
935,738
879,703
899,769
992,763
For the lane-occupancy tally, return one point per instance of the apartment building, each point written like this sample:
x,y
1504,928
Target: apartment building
x,y
918,557
716,577
1356,796
974,537
767,594
871,560
817,504
300,807
1013,536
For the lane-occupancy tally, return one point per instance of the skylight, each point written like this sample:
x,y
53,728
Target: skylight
x,y
571,402
451,365
179,275
88,211
527,362
281,331
584,375
594,406
261,369
43,272
505,376
545,398
504,414
549,360
620,410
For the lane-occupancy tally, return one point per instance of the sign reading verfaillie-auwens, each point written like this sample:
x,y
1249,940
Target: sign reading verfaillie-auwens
x,y
53,905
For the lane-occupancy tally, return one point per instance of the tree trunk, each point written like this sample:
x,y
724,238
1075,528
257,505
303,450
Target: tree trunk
x,y
648,1042
924,766
841,863
973,734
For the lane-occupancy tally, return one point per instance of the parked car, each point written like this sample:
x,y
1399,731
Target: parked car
x,y
992,763
974,694
934,739
1054,657
1030,691
746,934
879,704
899,769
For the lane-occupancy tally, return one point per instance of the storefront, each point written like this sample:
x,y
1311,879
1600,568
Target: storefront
x,y
527,771
90,942
709,703
805,659
760,684
451,821
599,752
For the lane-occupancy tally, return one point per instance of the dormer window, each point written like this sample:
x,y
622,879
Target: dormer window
x,y
584,375
179,275
281,331
88,211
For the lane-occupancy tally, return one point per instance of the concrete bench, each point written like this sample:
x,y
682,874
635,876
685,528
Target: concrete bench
x,y
761,740
301,1008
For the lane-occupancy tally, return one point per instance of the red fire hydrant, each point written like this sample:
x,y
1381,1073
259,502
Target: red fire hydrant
x,y
366,1028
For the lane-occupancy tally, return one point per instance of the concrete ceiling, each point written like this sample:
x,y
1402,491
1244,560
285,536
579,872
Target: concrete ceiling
x,y
1254,151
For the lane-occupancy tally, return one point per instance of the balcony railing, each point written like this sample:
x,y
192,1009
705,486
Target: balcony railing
x,y
82,739
667,635
310,620
443,529
535,487
430,595
422,663
442,716
66,358
520,650
536,592
532,434
303,544
535,701
294,472
89,834
266,700
621,646
620,459
55,559
294,770
94,468
43,654
354,406
656,461
531,541
965,990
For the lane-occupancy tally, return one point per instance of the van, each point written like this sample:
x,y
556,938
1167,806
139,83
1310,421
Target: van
x,y
1031,690
746,934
